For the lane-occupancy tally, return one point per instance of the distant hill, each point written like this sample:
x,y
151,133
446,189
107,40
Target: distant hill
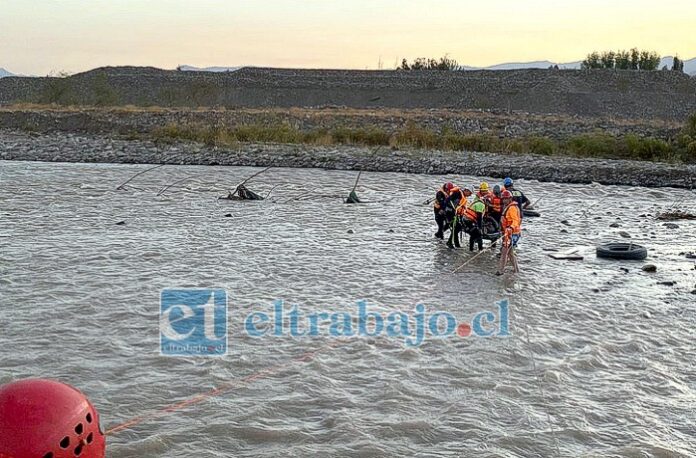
x,y
535,64
189,68
4,73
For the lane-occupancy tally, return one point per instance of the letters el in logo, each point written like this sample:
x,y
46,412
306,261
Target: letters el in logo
x,y
193,322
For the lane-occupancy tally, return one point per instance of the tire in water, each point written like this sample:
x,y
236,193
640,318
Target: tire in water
x,y
622,250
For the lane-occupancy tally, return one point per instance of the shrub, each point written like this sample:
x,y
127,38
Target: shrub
x,y
104,94
421,63
690,126
597,144
645,149
541,145
415,136
624,60
691,152
58,90
592,145
371,137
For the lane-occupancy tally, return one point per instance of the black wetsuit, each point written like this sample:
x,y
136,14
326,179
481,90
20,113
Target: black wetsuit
x,y
475,231
439,210
451,214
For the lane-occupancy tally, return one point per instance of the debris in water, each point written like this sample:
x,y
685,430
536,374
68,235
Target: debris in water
x,y
675,215
570,255
353,197
121,223
650,268
242,193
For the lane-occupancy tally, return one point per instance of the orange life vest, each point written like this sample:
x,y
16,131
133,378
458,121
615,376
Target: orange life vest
x,y
483,195
512,218
468,210
496,203
463,208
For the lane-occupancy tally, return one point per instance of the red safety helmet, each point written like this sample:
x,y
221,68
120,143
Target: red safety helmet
x,y
48,419
448,186
506,194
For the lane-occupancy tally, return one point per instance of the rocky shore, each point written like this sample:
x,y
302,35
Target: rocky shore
x,y
68,147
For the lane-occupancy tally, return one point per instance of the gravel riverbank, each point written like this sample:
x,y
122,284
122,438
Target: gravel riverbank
x,y
63,147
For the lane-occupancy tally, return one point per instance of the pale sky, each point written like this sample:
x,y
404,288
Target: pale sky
x,y
42,36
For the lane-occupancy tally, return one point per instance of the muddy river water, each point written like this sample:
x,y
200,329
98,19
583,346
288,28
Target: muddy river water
x,y
599,360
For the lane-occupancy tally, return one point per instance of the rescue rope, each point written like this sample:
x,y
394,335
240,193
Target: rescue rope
x,y
163,190
219,390
121,186
471,259
254,175
269,192
278,368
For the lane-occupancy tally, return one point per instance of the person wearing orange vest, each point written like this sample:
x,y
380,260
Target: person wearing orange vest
x,y
484,191
495,204
439,208
511,224
457,198
471,220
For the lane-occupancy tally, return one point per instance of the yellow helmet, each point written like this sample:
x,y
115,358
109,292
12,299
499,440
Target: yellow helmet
x,y
483,187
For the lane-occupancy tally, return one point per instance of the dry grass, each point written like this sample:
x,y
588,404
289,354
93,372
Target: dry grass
x,y
403,129
412,136
403,114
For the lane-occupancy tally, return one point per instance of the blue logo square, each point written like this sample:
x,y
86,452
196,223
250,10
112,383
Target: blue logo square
x,y
193,322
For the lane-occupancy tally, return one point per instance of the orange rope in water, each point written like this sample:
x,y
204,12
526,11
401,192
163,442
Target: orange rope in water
x,y
222,389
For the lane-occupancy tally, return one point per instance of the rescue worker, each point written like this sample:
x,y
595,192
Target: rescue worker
x,y
439,206
459,220
483,191
454,200
471,218
518,195
511,220
495,204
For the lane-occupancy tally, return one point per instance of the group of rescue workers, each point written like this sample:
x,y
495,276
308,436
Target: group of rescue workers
x,y
491,213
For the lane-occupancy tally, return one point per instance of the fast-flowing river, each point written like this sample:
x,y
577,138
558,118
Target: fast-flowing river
x,y
599,360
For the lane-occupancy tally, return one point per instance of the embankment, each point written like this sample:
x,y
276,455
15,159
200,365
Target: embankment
x,y
136,120
61,147
596,93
